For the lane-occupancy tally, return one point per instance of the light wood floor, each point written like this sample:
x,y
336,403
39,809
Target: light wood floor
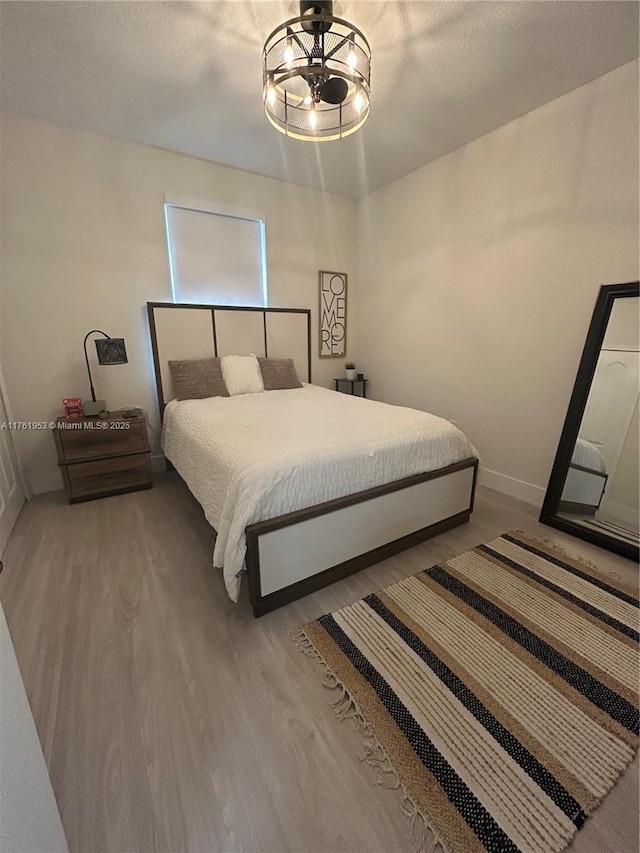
x,y
171,720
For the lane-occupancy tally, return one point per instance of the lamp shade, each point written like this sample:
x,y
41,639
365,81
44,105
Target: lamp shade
x,y
111,351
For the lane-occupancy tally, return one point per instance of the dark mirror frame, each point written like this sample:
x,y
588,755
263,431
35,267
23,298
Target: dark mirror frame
x,y
595,337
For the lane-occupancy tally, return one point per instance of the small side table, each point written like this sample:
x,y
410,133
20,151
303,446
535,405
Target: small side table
x,y
99,458
355,387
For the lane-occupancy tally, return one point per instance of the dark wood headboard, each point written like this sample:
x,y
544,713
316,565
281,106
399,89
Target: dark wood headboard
x,y
182,330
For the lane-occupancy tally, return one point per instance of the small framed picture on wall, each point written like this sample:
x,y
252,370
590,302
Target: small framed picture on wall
x,y
333,314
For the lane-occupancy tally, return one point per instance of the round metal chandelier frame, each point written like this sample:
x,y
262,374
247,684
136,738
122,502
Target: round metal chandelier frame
x,y
316,75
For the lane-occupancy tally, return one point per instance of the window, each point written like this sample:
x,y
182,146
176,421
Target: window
x,y
215,255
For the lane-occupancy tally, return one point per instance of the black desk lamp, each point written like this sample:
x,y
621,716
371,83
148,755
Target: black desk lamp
x,y
110,351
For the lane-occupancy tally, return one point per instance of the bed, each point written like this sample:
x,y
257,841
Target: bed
x,y
586,455
303,486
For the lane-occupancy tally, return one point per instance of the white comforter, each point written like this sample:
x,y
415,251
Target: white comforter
x,y
588,455
255,456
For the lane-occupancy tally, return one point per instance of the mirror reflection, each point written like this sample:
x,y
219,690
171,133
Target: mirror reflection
x,y
601,491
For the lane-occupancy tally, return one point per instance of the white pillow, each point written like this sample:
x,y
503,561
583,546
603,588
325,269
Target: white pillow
x,y
241,374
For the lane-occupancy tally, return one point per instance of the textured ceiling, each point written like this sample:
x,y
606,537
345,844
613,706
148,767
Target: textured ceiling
x,y
187,76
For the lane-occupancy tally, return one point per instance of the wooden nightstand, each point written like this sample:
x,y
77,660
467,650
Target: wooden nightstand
x,y
103,457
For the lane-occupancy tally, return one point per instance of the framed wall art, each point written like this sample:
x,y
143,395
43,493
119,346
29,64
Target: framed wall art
x,y
333,314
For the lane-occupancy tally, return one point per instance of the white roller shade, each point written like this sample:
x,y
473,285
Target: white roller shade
x,y
215,258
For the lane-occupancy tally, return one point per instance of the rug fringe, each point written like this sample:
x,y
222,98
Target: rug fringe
x,y
304,643
423,836
375,757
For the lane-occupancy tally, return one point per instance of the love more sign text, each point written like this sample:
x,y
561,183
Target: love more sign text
x,y
333,314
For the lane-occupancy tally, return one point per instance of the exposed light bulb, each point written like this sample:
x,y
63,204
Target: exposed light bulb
x,y
307,101
271,94
313,118
359,102
351,56
288,52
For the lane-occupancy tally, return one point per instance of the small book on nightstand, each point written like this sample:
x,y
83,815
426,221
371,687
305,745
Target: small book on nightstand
x,y
72,407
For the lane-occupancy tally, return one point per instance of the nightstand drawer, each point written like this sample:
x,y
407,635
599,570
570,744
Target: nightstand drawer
x,y
90,442
108,476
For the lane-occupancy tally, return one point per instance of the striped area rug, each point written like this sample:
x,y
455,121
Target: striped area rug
x,y
499,691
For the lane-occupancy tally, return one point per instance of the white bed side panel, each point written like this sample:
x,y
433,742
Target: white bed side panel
x,y
296,552
583,487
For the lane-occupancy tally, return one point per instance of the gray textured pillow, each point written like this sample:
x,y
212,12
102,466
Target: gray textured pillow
x,y
197,378
278,374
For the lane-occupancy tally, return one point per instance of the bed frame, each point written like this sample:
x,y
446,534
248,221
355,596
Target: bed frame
x,y
337,537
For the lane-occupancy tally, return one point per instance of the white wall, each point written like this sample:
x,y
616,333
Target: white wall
x,y
479,272
83,246
29,818
475,284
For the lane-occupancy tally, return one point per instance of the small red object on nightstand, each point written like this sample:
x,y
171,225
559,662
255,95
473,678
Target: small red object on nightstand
x,y
72,407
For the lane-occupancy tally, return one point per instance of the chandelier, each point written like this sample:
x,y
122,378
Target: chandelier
x,y
316,72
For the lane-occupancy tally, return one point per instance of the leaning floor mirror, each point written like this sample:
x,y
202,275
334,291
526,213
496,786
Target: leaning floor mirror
x,y
593,490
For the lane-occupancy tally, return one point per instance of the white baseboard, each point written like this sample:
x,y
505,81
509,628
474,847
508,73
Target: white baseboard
x,y
158,463
52,481
619,514
511,486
